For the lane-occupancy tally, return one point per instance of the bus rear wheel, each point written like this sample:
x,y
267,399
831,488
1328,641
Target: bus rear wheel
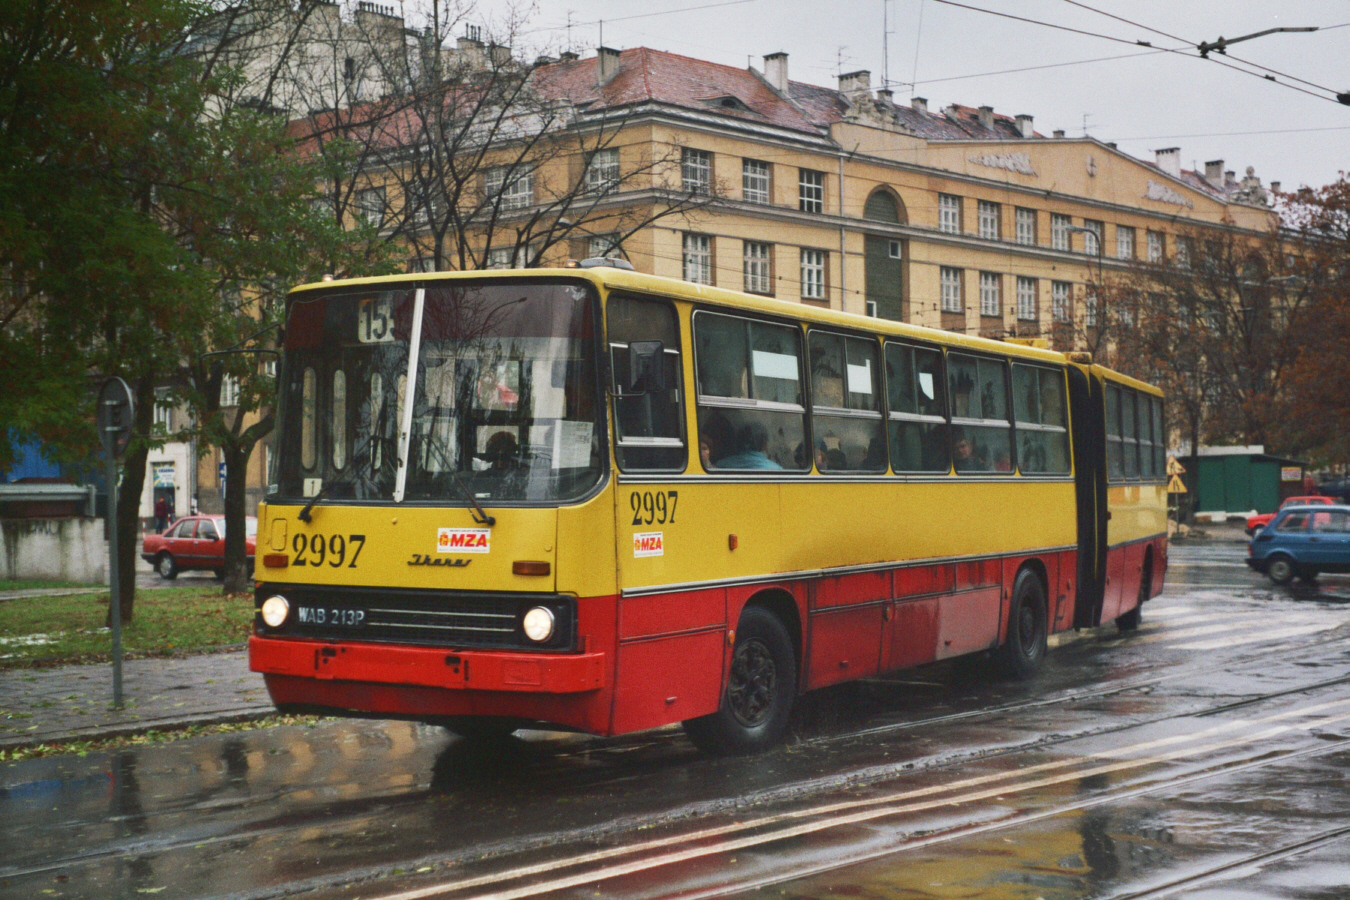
x,y
1024,651
760,691
1130,620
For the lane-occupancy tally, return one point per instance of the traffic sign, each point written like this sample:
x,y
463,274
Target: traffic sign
x,y
1174,467
1174,485
114,415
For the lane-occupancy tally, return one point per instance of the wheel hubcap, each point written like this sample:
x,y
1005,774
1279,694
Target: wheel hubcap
x,y
754,678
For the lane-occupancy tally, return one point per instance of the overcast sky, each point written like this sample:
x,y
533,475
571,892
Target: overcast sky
x,y
1141,98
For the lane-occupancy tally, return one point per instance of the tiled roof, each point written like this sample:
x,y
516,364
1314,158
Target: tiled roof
x,y
646,75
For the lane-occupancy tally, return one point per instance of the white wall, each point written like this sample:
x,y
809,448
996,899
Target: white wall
x,y
67,549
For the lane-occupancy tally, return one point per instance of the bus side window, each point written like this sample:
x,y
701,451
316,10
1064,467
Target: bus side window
x,y
750,397
1038,409
649,428
918,409
1115,453
1129,432
981,431
846,422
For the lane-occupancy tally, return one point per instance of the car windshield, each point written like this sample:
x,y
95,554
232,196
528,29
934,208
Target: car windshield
x,y
503,398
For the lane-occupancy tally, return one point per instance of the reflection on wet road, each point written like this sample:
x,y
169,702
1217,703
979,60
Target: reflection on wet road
x,y
1208,755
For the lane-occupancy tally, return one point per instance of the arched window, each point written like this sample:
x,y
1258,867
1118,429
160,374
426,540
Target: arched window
x,y
883,206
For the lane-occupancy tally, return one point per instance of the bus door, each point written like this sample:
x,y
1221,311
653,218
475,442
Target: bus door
x,y
1086,404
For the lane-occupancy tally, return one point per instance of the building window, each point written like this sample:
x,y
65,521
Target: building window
x,y
1090,309
517,194
1124,242
602,172
813,274
229,391
991,294
949,214
696,171
370,205
1155,246
1059,231
988,215
1026,226
1026,298
951,289
1061,301
1093,243
163,423
755,181
500,258
758,268
698,258
810,191
1184,252
604,246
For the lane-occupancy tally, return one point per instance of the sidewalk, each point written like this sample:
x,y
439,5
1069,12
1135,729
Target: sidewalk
x,y
75,702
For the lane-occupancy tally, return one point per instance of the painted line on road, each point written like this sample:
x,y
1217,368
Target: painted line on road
x,y
858,811
1256,638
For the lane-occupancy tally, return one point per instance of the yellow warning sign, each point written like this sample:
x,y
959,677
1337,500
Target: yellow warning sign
x,y
1174,485
1175,468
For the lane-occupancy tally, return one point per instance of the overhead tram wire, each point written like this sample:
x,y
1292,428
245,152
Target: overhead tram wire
x,y
1174,37
1179,51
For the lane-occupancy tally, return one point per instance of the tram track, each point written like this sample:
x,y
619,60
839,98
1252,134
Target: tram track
x,y
517,884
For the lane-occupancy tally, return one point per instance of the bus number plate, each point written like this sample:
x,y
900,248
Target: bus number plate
x,y
653,507
331,616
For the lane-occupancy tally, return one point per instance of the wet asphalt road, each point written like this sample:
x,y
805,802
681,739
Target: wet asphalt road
x,y
1206,756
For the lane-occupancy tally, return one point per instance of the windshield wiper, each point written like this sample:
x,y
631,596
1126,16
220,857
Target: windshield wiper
x,y
352,466
479,514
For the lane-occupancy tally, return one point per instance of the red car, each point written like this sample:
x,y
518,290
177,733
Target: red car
x,y
194,542
1256,523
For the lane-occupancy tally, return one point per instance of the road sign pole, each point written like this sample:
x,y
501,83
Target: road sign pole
x,y
114,417
114,580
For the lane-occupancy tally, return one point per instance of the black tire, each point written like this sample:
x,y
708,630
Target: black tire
x,y
1024,652
760,691
480,728
1280,569
1130,620
166,566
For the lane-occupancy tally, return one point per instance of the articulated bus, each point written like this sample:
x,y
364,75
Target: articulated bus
x,y
590,499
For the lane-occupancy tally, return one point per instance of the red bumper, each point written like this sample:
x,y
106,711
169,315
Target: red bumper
x,y
428,667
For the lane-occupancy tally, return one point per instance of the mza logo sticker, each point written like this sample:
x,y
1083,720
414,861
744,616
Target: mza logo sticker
x,y
464,540
650,543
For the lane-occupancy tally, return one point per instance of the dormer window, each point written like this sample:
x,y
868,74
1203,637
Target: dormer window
x,y
728,102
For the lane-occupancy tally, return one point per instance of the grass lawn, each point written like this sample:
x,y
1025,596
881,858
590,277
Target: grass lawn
x,y
69,629
35,585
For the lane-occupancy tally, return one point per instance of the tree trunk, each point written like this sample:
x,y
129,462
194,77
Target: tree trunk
x,y
129,488
238,576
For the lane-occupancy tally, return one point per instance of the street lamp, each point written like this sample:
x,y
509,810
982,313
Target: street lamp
x,y
1101,264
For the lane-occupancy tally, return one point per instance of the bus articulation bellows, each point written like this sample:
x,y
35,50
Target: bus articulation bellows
x,y
596,500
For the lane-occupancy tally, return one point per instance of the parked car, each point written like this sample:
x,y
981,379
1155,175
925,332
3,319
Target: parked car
x,y
194,542
1302,541
1257,522
1336,487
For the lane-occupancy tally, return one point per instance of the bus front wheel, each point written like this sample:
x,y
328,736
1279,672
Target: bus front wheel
x,y
759,693
1024,651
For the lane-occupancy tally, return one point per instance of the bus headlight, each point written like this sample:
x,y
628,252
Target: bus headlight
x,y
275,609
538,624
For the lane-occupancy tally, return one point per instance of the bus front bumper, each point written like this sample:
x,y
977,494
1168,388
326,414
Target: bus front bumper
x,y
466,670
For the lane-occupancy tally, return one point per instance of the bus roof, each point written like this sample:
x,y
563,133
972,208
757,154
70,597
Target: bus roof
x,y
610,278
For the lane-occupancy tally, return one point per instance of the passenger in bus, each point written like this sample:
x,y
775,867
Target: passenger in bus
x,y
753,442
502,452
716,440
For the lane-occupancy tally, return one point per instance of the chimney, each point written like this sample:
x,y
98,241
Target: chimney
x,y
855,83
567,56
919,105
987,118
1214,172
608,64
952,111
885,95
1058,132
1230,175
1169,161
1024,126
776,72
1275,187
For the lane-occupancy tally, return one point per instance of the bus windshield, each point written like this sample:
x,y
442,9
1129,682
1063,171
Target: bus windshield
x,y
504,395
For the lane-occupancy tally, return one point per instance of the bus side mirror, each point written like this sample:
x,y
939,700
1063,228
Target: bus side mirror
x,y
646,367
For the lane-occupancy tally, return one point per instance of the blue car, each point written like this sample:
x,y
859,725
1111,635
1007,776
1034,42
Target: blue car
x,y
1302,541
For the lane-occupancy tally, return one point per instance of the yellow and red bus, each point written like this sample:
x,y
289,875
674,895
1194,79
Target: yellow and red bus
x,y
591,499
